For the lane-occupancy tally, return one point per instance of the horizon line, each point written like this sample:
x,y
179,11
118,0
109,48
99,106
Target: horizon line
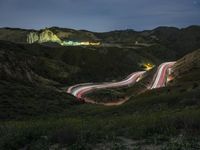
x,y
38,29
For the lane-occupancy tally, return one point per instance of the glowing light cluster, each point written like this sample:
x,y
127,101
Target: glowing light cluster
x,y
148,66
72,43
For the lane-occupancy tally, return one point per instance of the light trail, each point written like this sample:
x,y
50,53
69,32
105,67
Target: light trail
x,y
81,89
159,80
160,76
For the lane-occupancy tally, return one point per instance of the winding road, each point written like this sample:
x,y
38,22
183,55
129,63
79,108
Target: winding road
x,y
160,77
159,80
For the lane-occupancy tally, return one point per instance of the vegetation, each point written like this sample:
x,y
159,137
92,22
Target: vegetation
x,y
41,118
70,65
169,118
37,113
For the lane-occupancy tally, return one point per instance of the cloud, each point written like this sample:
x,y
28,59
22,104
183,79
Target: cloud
x,y
99,15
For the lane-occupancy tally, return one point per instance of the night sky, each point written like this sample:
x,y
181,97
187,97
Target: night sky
x,y
99,15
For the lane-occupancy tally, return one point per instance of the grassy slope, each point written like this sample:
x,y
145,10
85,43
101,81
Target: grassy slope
x,y
13,35
71,65
156,119
19,101
181,41
36,115
168,117
185,70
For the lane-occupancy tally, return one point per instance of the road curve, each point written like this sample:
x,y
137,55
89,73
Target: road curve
x,y
160,77
80,90
159,80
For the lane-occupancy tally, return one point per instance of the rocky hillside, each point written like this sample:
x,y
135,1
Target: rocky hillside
x,y
44,36
180,41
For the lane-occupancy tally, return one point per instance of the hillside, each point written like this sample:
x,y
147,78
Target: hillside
x,y
69,65
185,75
37,113
187,68
42,118
14,35
178,41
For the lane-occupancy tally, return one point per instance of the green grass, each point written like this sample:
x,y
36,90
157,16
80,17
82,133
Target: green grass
x,y
88,131
150,116
71,65
18,101
36,113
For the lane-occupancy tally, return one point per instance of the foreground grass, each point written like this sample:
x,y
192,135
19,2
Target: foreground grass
x,y
34,116
169,120
85,132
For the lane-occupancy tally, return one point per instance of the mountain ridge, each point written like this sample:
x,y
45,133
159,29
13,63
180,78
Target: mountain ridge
x,y
182,41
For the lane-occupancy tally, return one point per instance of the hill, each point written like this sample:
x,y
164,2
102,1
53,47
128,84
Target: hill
x,y
69,65
37,113
177,41
185,75
40,117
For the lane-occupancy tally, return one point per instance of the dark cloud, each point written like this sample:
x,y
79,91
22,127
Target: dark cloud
x,y
99,15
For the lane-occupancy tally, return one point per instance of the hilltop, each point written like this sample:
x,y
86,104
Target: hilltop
x,y
177,41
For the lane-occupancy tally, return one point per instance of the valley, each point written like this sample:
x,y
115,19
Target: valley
x,y
54,96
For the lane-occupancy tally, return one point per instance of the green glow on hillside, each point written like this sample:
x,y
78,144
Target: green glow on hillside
x,y
49,36
73,43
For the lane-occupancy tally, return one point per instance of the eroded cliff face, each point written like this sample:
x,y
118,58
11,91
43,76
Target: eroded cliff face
x,y
32,37
45,36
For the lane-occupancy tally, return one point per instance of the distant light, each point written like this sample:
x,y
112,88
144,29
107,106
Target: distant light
x,y
148,66
86,43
